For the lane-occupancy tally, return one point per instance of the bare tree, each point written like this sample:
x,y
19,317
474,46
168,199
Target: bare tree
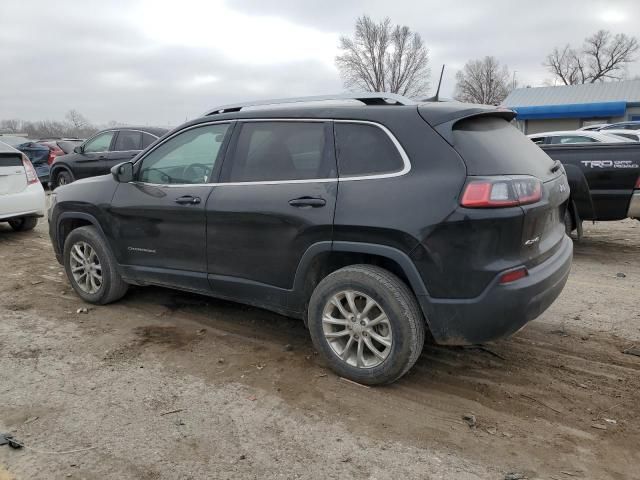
x,y
10,126
483,81
602,57
76,119
384,58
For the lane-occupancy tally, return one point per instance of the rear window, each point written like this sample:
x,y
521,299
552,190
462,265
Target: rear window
x,y
147,140
493,146
365,150
10,160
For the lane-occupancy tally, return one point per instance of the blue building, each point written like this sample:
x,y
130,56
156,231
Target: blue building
x,y
570,107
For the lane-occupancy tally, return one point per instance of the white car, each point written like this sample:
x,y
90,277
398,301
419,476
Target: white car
x,y
633,135
595,127
22,198
575,136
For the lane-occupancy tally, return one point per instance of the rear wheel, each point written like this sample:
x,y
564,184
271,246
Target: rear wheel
x,y
91,267
366,323
23,224
63,177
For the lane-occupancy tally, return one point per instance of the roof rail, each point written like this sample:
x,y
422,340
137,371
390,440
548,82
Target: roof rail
x,y
368,98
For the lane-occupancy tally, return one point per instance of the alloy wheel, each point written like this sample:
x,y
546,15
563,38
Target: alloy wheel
x,y
85,267
357,329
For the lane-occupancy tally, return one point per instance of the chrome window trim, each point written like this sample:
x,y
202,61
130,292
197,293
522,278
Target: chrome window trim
x,y
403,154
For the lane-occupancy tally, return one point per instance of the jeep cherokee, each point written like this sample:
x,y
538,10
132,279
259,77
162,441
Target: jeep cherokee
x,y
372,218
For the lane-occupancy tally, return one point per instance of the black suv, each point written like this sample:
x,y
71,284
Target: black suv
x,y
372,220
99,153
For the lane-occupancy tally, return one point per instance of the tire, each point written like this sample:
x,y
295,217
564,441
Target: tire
x,y
23,224
63,177
568,221
111,286
405,327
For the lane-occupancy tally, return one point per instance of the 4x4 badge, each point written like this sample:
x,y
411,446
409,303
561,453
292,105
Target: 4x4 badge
x,y
530,242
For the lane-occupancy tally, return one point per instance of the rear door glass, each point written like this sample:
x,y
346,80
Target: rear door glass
x,y
128,140
280,151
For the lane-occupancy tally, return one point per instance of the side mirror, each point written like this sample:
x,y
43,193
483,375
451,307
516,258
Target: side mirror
x,y
78,149
123,172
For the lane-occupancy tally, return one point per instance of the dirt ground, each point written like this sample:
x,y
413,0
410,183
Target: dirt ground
x,y
167,385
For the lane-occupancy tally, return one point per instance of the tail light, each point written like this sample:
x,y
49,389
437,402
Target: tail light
x,y
32,175
499,192
53,153
638,183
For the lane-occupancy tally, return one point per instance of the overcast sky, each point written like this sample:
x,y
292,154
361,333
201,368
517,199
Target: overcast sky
x,y
159,62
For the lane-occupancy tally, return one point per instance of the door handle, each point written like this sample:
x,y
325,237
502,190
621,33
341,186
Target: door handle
x,y
312,202
188,200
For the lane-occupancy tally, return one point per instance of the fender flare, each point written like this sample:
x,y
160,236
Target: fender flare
x,y
77,216
400,258
580,192
54,171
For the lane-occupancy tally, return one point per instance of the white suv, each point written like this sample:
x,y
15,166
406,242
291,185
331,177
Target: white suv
x,y
22,198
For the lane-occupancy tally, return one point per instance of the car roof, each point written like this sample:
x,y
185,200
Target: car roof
x,y
4,148
157,131
604,136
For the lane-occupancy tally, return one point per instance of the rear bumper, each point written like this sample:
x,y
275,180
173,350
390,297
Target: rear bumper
x,y
28,203
634,205
500,310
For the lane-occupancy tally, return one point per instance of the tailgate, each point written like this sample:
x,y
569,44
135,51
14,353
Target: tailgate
x,y
491,146
12,175
543,227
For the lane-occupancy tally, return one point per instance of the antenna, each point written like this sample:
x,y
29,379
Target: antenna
x,y
436,97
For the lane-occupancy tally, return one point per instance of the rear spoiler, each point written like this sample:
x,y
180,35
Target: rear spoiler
x,y
443,116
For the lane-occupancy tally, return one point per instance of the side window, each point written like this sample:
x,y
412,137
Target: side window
x,y
271,151
100,143
128,140
189,157
365,150
571,139
538,140
147,139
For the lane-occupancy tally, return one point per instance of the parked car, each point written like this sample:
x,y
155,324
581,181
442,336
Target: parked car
x,y
372,222
38,155
631,125
633,135
22,198
604,181
594,127
574,136
99,153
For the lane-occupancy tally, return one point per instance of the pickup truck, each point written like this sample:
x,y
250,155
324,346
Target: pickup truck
x,y
604,179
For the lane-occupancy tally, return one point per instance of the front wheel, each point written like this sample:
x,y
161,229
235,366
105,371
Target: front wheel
x,y
92,268
23,224
366,323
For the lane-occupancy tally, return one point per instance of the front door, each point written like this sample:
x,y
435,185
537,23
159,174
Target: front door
x,y
275,199
159,219
90,162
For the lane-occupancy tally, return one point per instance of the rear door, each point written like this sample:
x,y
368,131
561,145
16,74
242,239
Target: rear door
x,y
276,198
